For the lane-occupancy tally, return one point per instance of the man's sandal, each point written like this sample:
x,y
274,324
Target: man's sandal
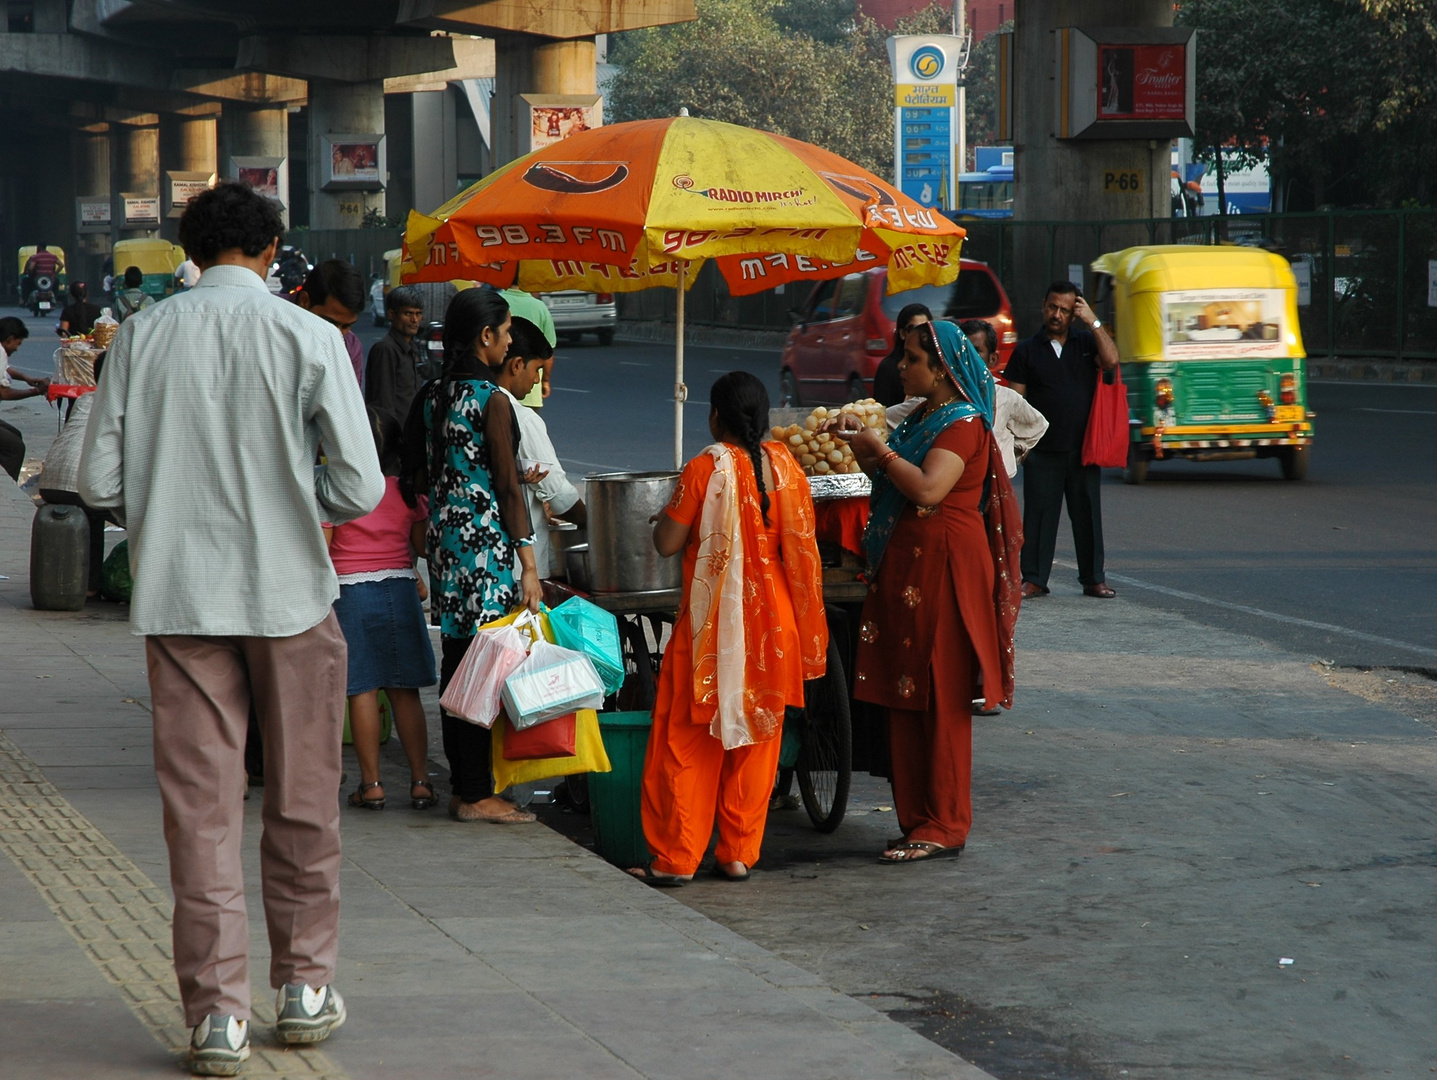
x,y
917,851
356,797
647,875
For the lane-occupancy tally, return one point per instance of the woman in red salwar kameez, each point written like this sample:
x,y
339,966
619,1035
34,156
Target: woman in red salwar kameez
x,y
942,544
749,631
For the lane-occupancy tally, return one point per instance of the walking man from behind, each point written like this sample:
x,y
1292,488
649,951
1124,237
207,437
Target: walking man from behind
x,y
1057,370
203,438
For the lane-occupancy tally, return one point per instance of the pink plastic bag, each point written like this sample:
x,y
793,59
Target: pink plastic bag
x,y
473,694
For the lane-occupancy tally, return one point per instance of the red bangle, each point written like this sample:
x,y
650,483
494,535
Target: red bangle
x,y
885,459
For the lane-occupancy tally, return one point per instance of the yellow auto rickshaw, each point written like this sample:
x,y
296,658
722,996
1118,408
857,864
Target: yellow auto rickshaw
x,y
58,286
1211,354
157,259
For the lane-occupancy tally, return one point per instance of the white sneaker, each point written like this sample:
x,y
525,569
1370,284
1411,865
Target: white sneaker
x,y
219,1045
307,1015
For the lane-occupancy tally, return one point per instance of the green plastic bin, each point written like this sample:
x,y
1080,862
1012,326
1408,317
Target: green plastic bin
x,y
614,796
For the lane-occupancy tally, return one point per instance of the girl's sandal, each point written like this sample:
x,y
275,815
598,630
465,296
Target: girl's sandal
x,y
356,797
421,802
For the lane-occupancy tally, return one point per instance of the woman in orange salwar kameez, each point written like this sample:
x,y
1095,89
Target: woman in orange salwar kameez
x,y
942,541
749,631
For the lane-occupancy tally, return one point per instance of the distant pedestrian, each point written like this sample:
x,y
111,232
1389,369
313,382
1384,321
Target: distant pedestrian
x,y
1016,424
79,316
13,333
187,275
334,290
380,612
887,386
1057,370
750,630
395,370
203,438
460,449
132,298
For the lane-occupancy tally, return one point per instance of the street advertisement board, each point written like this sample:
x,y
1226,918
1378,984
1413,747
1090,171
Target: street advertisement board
x,y
543,119
1142,82
93,213
181,187
926,71
352,162
139,211
1211,324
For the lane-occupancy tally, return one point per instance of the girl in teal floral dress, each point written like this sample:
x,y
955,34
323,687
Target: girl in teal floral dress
x,y
478,521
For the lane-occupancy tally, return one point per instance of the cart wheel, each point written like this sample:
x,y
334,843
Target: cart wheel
x,y
825,764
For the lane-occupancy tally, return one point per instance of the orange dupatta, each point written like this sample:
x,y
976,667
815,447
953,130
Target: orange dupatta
x,y
735,587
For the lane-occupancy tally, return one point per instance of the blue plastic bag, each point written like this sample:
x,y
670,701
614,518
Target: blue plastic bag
x,y
589,629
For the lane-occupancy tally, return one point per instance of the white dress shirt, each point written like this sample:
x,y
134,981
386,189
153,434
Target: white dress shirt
x,y
203,436
555,489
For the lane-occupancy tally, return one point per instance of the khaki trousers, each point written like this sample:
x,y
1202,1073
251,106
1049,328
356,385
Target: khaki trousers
x,y
202,688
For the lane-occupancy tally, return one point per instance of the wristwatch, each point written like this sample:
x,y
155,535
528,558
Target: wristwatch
x,y
1095,324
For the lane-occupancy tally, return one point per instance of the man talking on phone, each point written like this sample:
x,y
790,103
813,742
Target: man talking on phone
x,y
1057,370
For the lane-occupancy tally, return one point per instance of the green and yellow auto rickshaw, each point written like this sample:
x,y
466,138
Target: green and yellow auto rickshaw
x,y
1211,354
157,260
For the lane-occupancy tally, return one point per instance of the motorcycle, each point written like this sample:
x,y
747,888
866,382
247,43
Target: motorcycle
x,y
42,296
290,268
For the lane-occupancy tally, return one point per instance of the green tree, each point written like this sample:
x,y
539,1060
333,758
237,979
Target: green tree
x,y
1339,95
809,69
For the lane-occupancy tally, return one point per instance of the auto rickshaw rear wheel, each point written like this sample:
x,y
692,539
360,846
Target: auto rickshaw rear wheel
x,y
1294,463
1137,470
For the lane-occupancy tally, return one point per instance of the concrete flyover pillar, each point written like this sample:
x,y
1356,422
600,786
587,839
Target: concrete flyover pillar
x,y
262,133
134,169
1061,179
347,109
188,144
527,64
91,156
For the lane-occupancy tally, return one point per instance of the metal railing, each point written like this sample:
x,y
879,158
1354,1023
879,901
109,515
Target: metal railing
x,y
1367,272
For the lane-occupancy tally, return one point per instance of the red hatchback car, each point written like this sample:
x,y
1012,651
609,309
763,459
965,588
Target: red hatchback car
x,y
846,328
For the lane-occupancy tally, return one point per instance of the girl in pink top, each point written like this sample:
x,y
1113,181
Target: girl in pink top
x,y
382,616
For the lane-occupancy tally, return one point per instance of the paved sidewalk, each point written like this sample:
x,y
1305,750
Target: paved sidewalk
x,y
466,950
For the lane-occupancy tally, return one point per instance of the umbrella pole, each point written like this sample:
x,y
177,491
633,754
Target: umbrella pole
x,y
681,392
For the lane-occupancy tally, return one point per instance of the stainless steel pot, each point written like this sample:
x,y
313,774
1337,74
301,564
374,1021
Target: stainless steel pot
x,y
576,567
621,545
562,536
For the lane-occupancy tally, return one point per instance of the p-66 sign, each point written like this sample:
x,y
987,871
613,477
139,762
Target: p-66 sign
x,y
1122,181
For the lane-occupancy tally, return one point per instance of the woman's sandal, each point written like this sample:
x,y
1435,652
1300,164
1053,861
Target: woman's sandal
x,y
718,871
909,851
659,881
421,802
356,797
462,811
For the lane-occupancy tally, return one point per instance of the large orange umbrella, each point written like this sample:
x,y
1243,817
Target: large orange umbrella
x,y
646,203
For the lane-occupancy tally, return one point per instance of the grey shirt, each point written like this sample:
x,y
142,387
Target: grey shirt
x,y
204,434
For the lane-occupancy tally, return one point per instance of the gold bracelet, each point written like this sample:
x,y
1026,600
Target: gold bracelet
x,y
885,459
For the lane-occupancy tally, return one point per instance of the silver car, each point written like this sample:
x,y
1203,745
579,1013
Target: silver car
x,y
577,313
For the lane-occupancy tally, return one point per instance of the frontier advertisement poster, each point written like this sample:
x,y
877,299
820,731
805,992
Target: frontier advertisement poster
x,y
1212,324
1142,82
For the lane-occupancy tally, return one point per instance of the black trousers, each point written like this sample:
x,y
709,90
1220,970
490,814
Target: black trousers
x,y
1050,477
12,450
466,745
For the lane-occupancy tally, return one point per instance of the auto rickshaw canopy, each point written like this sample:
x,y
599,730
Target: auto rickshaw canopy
x,y
29,249
1146,279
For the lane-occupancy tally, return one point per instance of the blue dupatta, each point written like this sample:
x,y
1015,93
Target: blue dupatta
x,y
913,438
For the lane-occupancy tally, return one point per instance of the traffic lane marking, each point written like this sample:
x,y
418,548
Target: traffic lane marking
x,y
1405,412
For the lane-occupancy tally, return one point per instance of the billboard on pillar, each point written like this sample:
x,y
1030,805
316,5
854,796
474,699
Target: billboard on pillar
x,y
267,175
93,213
543,119
1125,83
181,187
139,211
353,162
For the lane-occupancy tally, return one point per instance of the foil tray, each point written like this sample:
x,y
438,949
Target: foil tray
x,y
840,486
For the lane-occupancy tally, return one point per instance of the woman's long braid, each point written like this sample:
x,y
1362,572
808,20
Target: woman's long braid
x,y
753,442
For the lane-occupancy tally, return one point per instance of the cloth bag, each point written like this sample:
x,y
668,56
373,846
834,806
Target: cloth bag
x,y
550,682
587,628
1106,441
555,738
497,650
589,755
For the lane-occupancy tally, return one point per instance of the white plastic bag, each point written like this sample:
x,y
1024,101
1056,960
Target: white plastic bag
x,y
550,683
473,694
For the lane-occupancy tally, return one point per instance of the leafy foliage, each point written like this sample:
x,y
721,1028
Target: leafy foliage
x,y
1342,94
810,69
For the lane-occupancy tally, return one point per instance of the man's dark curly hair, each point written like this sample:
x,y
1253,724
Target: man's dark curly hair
x,y
229,215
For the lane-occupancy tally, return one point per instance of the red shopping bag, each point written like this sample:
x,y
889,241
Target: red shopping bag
x,y
1106,442
552,738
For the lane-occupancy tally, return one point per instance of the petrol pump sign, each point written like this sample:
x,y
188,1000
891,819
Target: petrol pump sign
x,y
926,69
